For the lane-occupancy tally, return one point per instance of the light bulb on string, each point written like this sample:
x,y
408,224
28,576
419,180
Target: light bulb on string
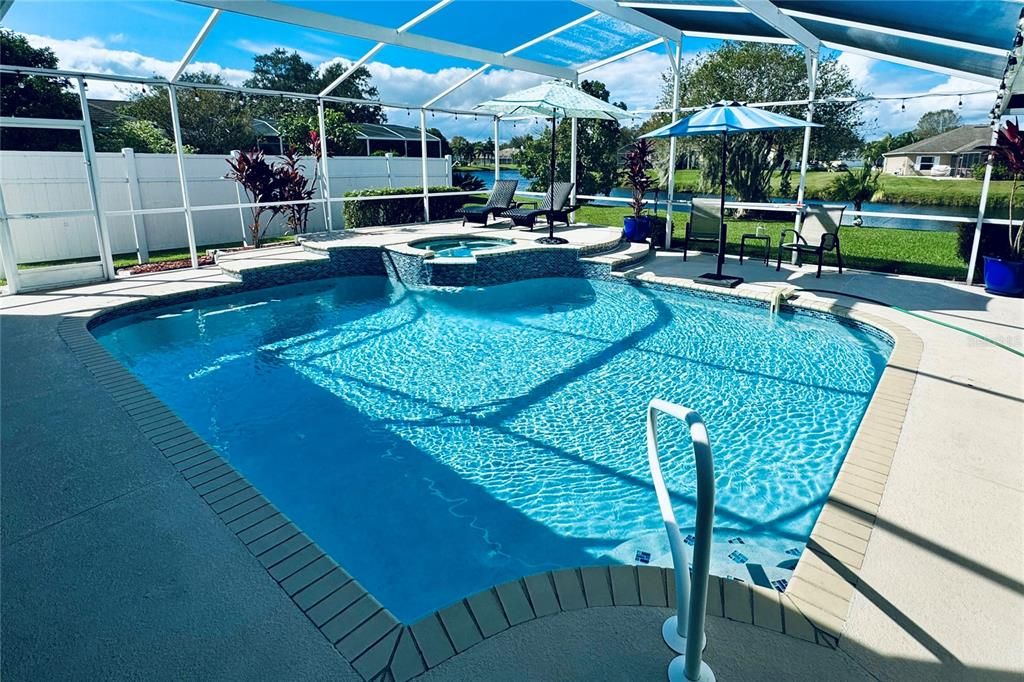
x,y
903,105
21,83
960,101
195,95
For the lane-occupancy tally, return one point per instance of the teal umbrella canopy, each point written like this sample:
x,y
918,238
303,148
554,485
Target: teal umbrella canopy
x,y
729,118
550,99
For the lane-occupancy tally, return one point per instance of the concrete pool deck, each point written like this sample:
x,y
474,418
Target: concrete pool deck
x,y
103,541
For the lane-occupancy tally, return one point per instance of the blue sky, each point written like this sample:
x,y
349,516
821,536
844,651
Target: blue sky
x,y
147,37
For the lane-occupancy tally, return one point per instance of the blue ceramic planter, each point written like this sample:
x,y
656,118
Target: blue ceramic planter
x,y
1004,277
636,229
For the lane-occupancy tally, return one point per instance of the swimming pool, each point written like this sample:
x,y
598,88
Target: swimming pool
x,y
438,442
456,247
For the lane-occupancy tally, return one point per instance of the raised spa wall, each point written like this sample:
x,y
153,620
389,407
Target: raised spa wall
x,y
408,266
484,269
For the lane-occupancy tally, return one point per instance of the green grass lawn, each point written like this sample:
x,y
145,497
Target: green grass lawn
x,y
911,252
894,189
127,260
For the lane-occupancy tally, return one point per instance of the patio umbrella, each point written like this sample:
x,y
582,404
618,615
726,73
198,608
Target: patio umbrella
x,y
550,100
727,118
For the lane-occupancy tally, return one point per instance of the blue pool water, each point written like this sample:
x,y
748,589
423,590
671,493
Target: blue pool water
x,y
439,442
452,247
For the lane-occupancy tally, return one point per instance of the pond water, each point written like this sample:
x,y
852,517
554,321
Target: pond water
x,y
969,213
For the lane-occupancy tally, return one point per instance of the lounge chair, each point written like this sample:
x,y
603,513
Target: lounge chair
x,y
818,234
704,224
555,207
500,199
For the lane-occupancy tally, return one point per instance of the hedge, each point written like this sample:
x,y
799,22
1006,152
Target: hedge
x,y
995,241
399,211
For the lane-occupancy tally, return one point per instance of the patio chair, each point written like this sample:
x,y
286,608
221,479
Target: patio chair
x,y
500,199
555,207
704,224
818,235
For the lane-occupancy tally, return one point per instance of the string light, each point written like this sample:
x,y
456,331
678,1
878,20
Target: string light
x,y
195,95
960,101
21,83
903,105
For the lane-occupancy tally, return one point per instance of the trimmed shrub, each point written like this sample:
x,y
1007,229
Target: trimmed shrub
x,y
399,211
994,242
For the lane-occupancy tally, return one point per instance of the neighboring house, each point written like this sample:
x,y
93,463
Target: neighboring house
x,y
398,140
106,113
373,139
507,155
952,153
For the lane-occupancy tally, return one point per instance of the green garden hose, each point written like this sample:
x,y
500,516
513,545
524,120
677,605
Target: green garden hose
x,y
920,316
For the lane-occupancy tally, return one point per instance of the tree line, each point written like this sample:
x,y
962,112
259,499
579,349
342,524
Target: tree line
x,y
212,121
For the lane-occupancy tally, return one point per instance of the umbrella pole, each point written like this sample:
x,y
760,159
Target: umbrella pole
x,y
721,212
551,184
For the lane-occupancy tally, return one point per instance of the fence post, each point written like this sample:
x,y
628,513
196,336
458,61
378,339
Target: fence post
x,y
235,153
7,258
135,203
92,176
179,150
325,178
423,165
448,169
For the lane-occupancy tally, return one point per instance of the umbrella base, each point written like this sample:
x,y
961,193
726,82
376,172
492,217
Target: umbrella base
x,y
716,280
552,240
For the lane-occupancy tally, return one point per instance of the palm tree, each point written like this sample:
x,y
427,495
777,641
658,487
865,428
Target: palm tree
x,y
856,186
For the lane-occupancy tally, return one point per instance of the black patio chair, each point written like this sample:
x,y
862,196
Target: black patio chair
x,y
500,199
818,234
555,207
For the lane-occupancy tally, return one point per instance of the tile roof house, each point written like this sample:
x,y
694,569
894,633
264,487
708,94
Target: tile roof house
x,y
952,153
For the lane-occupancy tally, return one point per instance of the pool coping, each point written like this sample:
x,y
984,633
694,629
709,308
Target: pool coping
x,y
814,606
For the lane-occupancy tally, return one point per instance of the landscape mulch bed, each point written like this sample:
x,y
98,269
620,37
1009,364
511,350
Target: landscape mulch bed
x,y
168,265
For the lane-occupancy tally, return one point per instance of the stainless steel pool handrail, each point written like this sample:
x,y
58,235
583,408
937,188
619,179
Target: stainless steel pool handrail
x,y
691,601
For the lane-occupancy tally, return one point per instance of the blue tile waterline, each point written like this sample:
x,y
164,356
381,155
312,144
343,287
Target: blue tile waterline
x,y
437,442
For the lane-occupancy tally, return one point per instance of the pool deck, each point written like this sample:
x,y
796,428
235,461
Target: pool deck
x,y
113,566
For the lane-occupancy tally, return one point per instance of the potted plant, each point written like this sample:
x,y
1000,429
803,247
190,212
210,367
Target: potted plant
x,y
635,171
1005,274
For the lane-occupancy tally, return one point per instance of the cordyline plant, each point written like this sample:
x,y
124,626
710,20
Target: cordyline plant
x,y
262,184
1009,147
294,185
271,183
635,171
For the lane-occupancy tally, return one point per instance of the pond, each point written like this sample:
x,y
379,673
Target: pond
x,y
969,213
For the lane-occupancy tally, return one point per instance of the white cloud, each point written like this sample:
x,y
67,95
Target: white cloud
x,y
255,47
92,54
635,80
898,115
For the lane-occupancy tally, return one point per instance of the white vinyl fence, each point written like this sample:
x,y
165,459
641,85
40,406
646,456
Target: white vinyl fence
x,y
37,182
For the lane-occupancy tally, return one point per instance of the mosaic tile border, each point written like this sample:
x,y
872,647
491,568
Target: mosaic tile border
x,y
379,647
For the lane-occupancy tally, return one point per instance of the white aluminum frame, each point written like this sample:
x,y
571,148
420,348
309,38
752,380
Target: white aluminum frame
x,y
781,20
321,21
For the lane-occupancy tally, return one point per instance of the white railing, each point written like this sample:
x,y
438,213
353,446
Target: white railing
x,y
684,632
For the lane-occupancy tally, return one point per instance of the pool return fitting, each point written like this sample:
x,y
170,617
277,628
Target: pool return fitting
x,y
684,632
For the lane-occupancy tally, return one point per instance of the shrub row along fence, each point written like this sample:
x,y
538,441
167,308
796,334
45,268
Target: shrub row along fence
x,y
402,210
